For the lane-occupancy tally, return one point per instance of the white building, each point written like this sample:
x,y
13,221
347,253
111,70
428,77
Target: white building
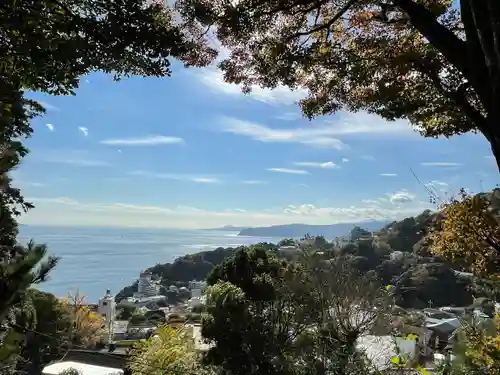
x,y
196,293
194,284
107,305
107,308
146,286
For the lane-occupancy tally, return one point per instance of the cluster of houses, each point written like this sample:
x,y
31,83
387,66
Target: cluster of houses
x,y
112,360
428,339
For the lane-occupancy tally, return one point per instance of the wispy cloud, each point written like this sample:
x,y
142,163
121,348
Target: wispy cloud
x,y
77,158
436,183
388,174
202,179
325,165
348,123
288,116
49,107
287,170
440,164
79,162
345,160
254,182
51,127
367,157
84,130
312,136
153,140
69,211
213,79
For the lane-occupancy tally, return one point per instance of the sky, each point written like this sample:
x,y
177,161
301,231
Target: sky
x,y
191,151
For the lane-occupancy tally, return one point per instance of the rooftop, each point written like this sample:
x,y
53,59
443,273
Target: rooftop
x,y
82,368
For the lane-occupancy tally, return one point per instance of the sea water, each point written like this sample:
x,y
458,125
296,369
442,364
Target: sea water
x,y
96,259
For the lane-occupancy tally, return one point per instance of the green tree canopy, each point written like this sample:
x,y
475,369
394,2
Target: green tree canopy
x,y
305,325
427,61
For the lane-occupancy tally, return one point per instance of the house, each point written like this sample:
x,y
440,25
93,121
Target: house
x,y
120,328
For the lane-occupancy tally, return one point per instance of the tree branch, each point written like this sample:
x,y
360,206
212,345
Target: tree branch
x,y
438,35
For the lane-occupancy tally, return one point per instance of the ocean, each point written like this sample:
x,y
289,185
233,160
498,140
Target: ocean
x,y
96,259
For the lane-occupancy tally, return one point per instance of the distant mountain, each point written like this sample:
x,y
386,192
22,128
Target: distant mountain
x,y
299,230
230,228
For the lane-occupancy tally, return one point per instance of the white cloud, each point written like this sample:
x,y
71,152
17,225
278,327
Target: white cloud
x,y
345,160
254,182
213,79
37,184
388,174
153,140
80,162
367,157
78,158
346,123
205,180
287,170
49,107
436,183
303,185
68,211
84,130
202,179
325,165
50,127
289,116
313,136
401,196
440,164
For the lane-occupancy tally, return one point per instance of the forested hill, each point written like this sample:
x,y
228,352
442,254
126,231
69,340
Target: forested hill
x,y
184,269
398,255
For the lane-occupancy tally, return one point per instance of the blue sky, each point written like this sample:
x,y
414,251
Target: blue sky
x,y
193,152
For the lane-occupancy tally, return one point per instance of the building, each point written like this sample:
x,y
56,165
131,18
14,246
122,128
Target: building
x,y
107,308
196,293
194,284
147,287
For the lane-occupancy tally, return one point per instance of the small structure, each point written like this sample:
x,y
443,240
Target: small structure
x,y
194,284
146,286
107,308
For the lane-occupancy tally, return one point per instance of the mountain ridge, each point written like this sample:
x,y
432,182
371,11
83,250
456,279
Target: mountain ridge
x,y
298,230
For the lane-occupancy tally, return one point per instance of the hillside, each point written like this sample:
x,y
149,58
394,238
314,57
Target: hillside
x,y
398,255
300,230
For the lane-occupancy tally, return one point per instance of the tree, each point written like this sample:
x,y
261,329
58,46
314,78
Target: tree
x,y
49,334
47,46
425,61
170,351
467,232
87,327
300,322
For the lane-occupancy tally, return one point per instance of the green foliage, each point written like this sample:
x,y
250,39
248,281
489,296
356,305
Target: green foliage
x,y
434,282
270,315
73,38
49,335
138,319
171,351
125,312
